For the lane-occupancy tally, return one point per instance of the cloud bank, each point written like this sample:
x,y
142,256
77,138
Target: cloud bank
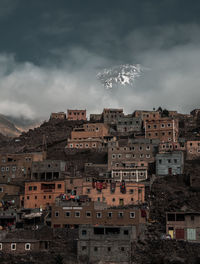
x,y
172,81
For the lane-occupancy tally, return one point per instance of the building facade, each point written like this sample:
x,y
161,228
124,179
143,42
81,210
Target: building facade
x,y
171,163
76,115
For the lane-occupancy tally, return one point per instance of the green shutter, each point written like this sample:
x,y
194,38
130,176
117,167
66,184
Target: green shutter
x,y
191,234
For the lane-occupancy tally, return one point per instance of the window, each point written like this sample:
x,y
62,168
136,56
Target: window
x,y
14,168
95,248
120,214
56,214
99,215
27,246
109,214
148,156
86,145
155,126
77,214
88,190
162,125
109,249
67,214
30,188
119,156
148,148
98,199
141,155
13,246
71,145
113,199
2,168
132,214
34,188
84,232
27,197
140,148
1,189
113,156
36,197
49,196
122,248
169,125
169,161
1,246
175,160
84,248
88,214
149,126
131,191
126,232
59,186
44,197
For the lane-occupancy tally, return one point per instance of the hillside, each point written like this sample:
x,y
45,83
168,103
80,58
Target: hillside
x,y
7,128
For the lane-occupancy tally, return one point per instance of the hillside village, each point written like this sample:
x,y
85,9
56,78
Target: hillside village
x,y
108,188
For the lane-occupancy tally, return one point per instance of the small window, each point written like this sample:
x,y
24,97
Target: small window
x,y
27,197
36,197
99,215
95,248
122,248
88,190
44,197
1,189
68,214
84,248
13,246
126,232
109,249
113,200
120,214
27,246
88,214
131,191
132,214
34,188
59,186
56,214
84,232
109,214
77,214
169,161
175,160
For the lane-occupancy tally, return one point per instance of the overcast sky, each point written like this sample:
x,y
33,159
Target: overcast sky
x,y
51,51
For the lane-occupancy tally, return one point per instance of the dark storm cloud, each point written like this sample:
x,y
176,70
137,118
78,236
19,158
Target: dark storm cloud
x,y
51,51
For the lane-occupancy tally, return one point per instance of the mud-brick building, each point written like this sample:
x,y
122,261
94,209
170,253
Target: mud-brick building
x,y
172,146
134,150
48,170
88,136
17,167
40,194
192,149
74,114
146,115
58,115
73,214
115,193
183,225
106,243
111,115
165,129
22,246
128,123
171,163
9,189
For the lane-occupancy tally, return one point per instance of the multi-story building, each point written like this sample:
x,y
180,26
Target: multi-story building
x,y
171,163
74,213
128,123
40,194
111,115
106,243
48,170
192,149
183,225
59,115
132,151
165,129
172,146
9,189
76,115
17,167
115,193
88,136
147,115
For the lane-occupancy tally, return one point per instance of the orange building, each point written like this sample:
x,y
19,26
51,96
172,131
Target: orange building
x,y
76,114
171,146
193,149
165,129
88,136
113,194
147,115
17,167
42,194
59,115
